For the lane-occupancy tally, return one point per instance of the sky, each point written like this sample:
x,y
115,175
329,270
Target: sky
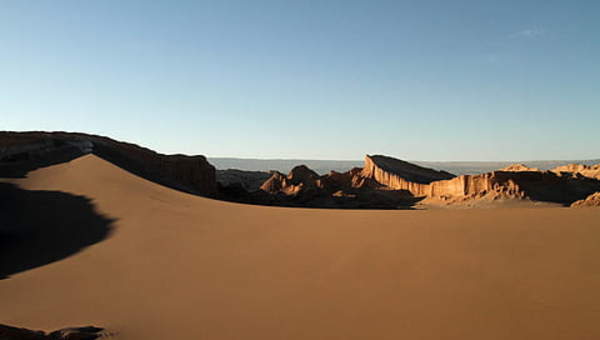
x,y
420,80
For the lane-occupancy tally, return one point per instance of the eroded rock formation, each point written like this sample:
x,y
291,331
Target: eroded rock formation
x,y
533,185
400,175
389,182
591,171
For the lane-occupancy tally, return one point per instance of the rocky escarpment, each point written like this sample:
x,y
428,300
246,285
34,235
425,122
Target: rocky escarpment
x,y
75,333
592,200
400,175
23,152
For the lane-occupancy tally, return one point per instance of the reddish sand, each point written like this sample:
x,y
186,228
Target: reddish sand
x,y
178,266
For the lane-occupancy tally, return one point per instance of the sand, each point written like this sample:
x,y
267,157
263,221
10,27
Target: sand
x,y
161,264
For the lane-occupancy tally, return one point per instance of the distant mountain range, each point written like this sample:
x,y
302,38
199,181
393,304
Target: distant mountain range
x,y
325,166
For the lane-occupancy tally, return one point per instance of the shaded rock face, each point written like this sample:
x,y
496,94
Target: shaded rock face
x,y
592,200
247,180
396,173
75,333
23,152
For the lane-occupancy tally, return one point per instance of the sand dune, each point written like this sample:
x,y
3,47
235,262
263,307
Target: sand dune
x,y
177,266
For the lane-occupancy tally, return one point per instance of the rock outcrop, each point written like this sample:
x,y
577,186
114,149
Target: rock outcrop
x,y
303,187
74,333
395,173
592,200
23,152
591,171
533,185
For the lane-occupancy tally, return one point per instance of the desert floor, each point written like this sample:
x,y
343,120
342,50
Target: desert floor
x,y
147,262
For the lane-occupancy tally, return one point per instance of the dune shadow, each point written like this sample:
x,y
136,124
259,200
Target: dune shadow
x,y
41,227
20,164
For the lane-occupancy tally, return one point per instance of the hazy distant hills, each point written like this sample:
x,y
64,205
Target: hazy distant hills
x,y
324,166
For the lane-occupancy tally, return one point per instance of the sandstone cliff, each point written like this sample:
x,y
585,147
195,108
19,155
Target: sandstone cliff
x,y
400,175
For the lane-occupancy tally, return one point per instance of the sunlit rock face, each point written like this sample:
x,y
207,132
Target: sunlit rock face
x,y
400,175
591,171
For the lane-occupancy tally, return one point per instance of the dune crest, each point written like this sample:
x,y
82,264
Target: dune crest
x,y
26,151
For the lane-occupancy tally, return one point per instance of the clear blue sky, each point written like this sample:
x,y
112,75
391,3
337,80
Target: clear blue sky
x,y
420,80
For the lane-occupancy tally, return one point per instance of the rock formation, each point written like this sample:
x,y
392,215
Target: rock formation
x,y
533,185
591,171
75,333
400,175
391,183
592,200
23,152
303,187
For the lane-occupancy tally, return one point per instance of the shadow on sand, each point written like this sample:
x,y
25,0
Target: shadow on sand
x,y
41,227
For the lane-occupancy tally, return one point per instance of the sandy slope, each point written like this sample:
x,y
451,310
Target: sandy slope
x,y
183,267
